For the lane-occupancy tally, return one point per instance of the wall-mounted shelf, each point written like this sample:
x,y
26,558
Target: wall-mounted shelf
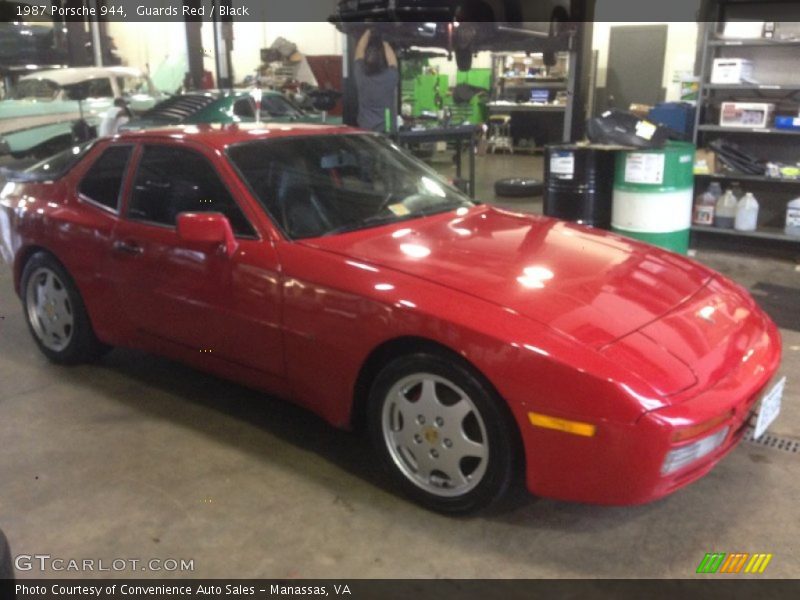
x,y
755,42
752,178
757,87
549,85
770,130
764,233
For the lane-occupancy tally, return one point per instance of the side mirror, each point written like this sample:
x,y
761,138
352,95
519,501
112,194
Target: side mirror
x,y
207,228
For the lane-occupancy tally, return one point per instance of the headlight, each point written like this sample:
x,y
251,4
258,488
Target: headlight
x,y
4,147
685,455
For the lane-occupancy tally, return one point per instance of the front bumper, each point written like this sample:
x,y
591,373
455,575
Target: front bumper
x,y
622,463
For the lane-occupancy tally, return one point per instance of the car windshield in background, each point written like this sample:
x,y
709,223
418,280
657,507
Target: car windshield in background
x,y
323,185
36,89
130,85
277,106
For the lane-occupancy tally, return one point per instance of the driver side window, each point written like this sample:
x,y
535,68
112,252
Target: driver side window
x,y
172,180
100,88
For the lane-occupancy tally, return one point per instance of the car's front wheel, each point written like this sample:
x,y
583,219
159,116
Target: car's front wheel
x,y
445,437
56,314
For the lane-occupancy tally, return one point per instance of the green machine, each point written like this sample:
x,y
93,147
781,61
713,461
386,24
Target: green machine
x,y
428,92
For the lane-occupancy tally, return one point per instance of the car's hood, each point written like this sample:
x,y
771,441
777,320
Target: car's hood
x,y
588,284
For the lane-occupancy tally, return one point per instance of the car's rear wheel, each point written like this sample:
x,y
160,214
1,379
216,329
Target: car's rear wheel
x,y
445,437
56,314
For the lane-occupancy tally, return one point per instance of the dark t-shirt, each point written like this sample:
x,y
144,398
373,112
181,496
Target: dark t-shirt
x,y
376,93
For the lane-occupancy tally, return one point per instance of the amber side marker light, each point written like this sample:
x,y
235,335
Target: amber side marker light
x,y
687,433
574,427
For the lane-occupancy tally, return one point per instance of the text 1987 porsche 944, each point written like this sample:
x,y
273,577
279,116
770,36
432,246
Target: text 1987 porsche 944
x,y
324,265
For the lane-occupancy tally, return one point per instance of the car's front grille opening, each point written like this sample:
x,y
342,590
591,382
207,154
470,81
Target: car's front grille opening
x,y
774,442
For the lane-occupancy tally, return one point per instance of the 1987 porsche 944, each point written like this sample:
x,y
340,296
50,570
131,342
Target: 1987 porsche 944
x,y
324,265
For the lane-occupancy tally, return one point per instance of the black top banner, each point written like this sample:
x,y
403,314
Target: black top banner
x,y
383,10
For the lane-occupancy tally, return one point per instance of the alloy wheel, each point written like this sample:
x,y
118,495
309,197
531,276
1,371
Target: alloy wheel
x,y
435,434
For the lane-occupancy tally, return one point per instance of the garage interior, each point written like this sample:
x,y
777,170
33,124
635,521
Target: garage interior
x,y
138,455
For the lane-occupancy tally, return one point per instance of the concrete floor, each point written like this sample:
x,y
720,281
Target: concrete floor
x,y
138,457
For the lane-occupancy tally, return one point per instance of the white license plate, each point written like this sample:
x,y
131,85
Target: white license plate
x,y
770,408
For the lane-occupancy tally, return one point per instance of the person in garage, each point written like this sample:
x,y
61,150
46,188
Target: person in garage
x,y
116,116
376,78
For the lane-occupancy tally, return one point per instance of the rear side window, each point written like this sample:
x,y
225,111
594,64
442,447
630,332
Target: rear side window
x,y
244,108
100,88
173,180
103,181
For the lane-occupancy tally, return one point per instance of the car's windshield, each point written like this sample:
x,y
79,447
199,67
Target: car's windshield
x,y
132,85
36,89
323,185
278,106
50,168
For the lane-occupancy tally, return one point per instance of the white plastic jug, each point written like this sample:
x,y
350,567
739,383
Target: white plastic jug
x,y
725,211
793,218
746,213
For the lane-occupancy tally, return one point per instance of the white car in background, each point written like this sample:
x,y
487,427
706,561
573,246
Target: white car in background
x,y
39,116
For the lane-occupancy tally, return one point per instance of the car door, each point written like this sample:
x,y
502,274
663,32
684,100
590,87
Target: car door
x,y
97,194
195,296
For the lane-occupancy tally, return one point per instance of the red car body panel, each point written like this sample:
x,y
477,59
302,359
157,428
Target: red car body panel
x,y
560,319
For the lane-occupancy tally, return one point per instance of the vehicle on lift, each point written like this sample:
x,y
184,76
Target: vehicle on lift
x,y
221,106
463,27
38,119
325,265
32,40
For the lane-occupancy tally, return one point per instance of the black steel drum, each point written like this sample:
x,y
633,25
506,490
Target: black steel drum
x,y
578,183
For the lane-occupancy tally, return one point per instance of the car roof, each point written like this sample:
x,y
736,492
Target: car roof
x,y
219,137
78,74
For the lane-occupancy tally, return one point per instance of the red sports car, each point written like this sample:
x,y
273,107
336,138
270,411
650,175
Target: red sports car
x,y
324,265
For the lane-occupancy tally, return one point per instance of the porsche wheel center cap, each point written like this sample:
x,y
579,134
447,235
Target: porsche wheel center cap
x,y
431,435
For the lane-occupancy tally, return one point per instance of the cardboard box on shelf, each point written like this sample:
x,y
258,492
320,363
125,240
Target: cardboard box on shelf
x,y
746,114
705,162
732,71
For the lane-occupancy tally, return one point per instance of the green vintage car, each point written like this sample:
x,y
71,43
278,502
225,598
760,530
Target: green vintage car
x,y
224,106
37,120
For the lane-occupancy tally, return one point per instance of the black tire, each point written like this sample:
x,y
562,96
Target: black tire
x,y
83,345
518,187
500,429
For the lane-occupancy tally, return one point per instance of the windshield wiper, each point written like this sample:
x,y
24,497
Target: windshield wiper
x,y
370,221
375,220
438,208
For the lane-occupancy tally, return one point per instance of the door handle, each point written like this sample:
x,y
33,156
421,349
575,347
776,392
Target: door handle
x,y
128,247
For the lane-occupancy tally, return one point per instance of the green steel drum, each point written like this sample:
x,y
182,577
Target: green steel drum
x,y
653,192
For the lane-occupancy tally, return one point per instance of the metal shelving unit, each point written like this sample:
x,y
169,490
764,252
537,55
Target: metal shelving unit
x,y
776,83
526,111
